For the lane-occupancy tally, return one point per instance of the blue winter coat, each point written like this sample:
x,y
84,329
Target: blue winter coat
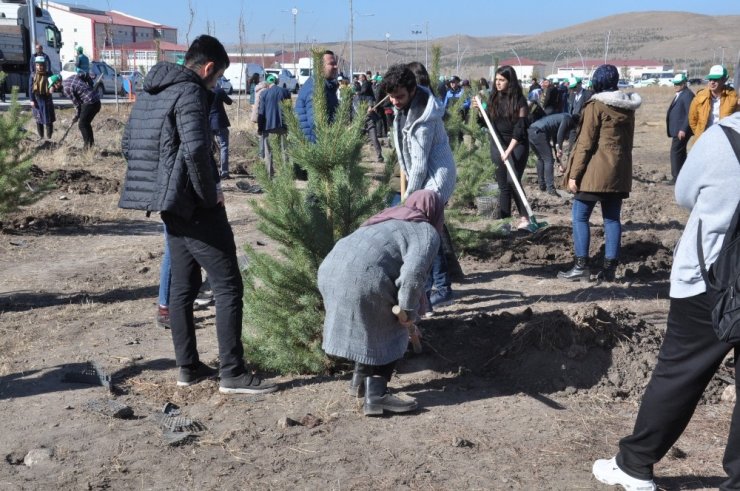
x,y
270,115
304,106
219,119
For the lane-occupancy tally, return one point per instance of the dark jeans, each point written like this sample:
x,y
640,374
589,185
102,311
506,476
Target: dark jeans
x,y
87,114
439,277
610,210
222,138
678,155
206,240
507,192
49,130
545,161
688,359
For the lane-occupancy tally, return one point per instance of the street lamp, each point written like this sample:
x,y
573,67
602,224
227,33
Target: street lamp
x,y
294,12
556,59
416,31
521,75
722,60
387,40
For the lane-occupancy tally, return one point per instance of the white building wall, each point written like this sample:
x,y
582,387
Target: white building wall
x,y
76,31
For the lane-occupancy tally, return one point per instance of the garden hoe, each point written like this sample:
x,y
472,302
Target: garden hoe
x,y
413,330
66,132
534,225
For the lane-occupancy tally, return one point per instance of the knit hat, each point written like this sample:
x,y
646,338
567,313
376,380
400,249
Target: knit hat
x,y
605,78
679,79
54,79
39,59
717,72
271,79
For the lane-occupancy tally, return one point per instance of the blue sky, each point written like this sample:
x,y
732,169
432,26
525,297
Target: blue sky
x,y
328,20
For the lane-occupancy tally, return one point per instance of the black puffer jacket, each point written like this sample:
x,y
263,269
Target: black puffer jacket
x,y
167,145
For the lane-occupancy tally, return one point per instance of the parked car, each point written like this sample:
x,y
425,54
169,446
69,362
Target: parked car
x,y
106,78
285,78
136,78
624,84
225,84
696,81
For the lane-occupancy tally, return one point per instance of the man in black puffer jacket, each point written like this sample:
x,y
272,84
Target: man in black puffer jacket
x,y
171,170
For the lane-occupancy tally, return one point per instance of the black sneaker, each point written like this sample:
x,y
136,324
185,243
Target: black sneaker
x,y
246,383
192,374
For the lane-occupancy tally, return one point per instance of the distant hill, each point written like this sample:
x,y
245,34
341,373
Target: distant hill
x,y
686,40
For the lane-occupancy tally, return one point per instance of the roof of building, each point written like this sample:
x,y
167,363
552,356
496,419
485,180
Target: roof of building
x,y
107,17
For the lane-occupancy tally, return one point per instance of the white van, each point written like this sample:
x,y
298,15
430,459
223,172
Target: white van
x,y
238,74
305,70
662,78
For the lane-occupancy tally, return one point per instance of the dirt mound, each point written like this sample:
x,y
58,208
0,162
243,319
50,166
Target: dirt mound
x,y
110,124
43,223
78,181
587,350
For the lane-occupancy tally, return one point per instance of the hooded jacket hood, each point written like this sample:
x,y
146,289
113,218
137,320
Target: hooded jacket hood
x,y
165,74
422,113
630,101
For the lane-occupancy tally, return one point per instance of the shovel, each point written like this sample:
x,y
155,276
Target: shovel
x,y
66,132
533,224
413,330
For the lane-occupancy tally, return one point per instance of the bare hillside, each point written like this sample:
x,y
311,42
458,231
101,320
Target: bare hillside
x,y
690,41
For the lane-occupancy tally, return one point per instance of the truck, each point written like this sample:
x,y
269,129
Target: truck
x,y
305,70
285,79
16,47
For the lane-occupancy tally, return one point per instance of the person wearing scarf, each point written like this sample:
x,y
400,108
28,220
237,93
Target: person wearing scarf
x,y
41,100
385,262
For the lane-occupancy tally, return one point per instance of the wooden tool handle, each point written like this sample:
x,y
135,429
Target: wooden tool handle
x,y
413,330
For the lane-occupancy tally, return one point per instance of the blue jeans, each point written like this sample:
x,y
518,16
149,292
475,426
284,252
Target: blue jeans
x,y
610,210
222,137
164,273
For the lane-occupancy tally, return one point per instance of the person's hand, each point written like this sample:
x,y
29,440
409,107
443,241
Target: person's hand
x,y
559,152
572,186
220,199
76,118
504,156
33,104
406,324
681,135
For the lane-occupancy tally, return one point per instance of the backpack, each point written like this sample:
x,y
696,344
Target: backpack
x,y
723,276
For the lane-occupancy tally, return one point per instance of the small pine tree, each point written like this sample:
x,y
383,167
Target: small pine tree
x,y
16,162
283,308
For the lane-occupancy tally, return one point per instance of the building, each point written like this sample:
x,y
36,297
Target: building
x,y
628,69
122,40
525,68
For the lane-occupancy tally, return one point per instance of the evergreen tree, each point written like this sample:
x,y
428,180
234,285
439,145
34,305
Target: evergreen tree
x,y
283,315
15,162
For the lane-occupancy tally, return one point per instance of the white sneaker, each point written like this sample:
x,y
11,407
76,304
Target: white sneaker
x,y
608,472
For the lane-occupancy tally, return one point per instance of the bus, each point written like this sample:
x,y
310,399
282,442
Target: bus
x,y
664,78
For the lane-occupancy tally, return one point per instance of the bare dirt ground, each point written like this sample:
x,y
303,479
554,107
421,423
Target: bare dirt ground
x,y
523,381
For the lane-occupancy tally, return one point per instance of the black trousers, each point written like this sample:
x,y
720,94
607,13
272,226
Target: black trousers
x,y
87,114
678,155
688,358
505,185
385,371
206,240
49,129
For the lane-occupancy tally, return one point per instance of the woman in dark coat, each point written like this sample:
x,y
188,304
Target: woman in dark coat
x,y
383,263
41,100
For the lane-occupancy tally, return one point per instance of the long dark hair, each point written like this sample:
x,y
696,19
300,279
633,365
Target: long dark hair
x,y
421,74
505,104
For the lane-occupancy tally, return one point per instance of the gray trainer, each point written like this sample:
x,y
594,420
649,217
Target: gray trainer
x,y
197,372
246,383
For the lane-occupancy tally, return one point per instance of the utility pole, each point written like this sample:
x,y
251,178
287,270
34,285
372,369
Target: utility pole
x,y
351,42
458,54
387,49
606,49
416,31
426,46
263,50
294,11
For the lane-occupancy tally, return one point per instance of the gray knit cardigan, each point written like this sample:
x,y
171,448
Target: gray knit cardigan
x,y
363,277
